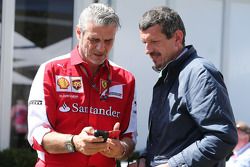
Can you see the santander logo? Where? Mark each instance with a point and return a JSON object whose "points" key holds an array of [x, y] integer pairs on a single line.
{"points": [[64, 108], [76, 108]]}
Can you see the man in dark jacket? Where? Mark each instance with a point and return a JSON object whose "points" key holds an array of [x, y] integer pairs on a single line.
{"points": [[191, 123]]}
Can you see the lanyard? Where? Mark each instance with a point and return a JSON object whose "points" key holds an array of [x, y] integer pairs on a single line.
{"points": [[94, 86]]}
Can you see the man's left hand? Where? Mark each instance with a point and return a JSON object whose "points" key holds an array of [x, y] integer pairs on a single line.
{"points": [[115, 148]]}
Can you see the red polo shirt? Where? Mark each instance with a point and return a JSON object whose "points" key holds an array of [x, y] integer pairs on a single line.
{"points": [[63, 99]]}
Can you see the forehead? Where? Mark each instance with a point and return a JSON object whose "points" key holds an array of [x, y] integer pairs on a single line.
{"points": [[102, 31], [152, 33]]}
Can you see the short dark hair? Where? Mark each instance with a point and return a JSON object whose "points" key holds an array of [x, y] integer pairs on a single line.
{"points": [[167, 18]]}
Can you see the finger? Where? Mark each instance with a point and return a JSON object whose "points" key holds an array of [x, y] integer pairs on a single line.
{"points": [[96, 147], [107, 152], [93, 139], [112, 143], [116, 126], [89, 130], [92, 148], [86, 137]]}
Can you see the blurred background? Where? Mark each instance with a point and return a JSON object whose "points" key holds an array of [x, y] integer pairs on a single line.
{"points": [[34, 31]]}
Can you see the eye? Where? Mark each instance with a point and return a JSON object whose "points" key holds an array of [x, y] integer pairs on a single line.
{"points": [[108, 41], [154, 41], [94, 40], [150, 42]]}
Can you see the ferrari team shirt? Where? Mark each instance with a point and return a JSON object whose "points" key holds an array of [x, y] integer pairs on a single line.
{"points": [[64, 98]]}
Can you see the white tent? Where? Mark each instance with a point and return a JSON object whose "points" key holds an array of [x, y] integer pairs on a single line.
{"points": [[28, 54]]}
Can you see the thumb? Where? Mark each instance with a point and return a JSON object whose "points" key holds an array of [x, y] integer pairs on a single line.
{"points": [[89, 130], [116, 126]]}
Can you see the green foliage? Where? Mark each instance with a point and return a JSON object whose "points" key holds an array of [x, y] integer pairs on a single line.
{"points": [[15, 157]]}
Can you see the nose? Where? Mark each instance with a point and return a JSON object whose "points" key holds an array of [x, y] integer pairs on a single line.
{"points": [[100, 46], [148, 48]]}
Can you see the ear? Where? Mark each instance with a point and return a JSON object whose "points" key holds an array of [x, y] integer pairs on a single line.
{"points": [[78, 32], [179, 38]]}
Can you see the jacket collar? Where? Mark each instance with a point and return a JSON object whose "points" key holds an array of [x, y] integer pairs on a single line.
{"points": [[175, 64]]}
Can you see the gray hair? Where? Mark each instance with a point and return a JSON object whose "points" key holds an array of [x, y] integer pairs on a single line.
{"points": [[167, 18], [99, 14]]}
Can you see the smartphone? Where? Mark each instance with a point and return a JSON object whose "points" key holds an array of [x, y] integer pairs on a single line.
{"points": [[107, 134]]}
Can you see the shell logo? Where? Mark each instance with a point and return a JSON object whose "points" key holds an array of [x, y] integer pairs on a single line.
{"points": [[63, 83]]}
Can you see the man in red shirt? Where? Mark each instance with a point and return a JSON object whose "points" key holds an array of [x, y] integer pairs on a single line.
{"points": [[80, 92]]}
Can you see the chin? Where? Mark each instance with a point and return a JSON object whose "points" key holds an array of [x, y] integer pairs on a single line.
{"points": [[98, 62]]}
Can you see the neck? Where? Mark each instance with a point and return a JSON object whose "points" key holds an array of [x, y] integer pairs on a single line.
{"points": [[240, 145], [93, 68]]}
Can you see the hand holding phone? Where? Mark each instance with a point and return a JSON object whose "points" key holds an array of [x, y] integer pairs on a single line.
{"points": [[107, 134]]}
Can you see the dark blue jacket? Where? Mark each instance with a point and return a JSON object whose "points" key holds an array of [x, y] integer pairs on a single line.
{"points": [[191, 122]]}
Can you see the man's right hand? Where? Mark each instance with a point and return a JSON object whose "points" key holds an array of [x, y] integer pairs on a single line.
{"points": [[86, 143]]}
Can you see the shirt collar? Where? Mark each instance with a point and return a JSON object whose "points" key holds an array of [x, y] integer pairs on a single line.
{"points": [[243, 149], [76, 59], [182, 53]]}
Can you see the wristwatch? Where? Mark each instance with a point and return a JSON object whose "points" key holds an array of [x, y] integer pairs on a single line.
{"points": [[69, 144]]}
